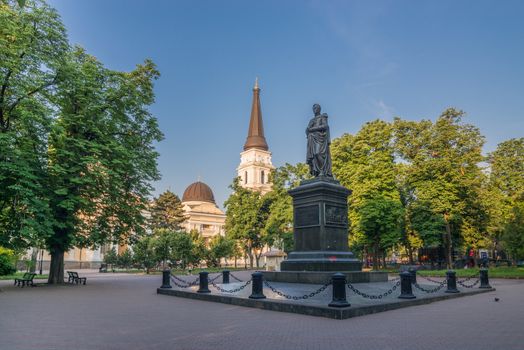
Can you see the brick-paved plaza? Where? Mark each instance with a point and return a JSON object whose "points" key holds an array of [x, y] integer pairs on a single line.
{"points": [[124, 312]]}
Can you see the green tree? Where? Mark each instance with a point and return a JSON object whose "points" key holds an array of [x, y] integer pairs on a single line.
{"points": [[505, 190], [246, 215], [125, 259], [184, 249], [513, 236], [379, 222], [101, 157], [111, 257], [32, 46], [7, 261], [219, 247], [278, 230], [365, 163], [443, 174], [144, 253], [78, 138], [167, 212], [163, 245]]}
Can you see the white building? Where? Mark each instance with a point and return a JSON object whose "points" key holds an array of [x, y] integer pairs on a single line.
{"points": [[255, 161]]}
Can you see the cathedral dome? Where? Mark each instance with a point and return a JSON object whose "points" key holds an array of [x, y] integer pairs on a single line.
{"points": [[198, 192]]}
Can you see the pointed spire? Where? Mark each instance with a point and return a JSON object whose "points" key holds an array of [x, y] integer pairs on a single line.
{"points": [[255, 135]]}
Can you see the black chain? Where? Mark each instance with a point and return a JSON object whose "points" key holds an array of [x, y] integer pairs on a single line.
{"points": [[184, 284], [214, 278], [434, 290], [234, 277], [467, 278], [378, 296], [295, 297], [468, 286], [236, 290], [431, 280]]}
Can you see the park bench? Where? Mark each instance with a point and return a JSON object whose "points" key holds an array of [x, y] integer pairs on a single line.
{"points": [[74, 278], [26, 280]]}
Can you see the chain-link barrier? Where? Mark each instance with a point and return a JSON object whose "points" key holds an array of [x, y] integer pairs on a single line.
{"points": [[297, 297], [433, 290], [235, 277], [468, 278], [430, 279], [470, 285], [377, 296], [215, 278], [177, 281], [236, 290]]}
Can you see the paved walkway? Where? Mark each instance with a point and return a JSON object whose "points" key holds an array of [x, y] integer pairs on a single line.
{"points": [[124, 312]]}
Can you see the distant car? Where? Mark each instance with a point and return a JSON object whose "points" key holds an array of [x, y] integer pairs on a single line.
{"points": [[520, 263]]}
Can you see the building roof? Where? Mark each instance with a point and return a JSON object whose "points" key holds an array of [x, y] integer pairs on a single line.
{"points": [[255, 135], [198, 191]]}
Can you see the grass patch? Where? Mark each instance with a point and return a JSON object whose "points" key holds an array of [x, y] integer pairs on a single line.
{"points": [[20, 274], [493, 272]]}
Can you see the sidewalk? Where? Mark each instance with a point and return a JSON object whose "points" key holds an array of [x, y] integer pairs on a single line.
{"points": [[125, 312]]}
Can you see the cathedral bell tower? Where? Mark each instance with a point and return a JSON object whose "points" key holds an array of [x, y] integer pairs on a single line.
{"points": [[255, 161]]}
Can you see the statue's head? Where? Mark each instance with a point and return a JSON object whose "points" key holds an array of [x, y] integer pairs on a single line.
{"points": [[316, 109]]}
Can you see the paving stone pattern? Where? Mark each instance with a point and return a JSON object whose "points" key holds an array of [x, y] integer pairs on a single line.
{"points": [[119, 311]]}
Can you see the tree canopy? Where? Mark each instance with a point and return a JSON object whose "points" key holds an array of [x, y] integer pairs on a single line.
{"points": [[167, 212], [78, 139]]}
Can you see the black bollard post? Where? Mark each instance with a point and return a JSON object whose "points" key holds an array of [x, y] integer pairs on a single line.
{"points": [[166, 279], [225, 276], [484, 281], [257, 291], [405, 286], [338, 281], [451, 279], [203, 282], [413, 272]]}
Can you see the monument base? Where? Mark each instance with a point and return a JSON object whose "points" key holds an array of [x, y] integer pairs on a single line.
{"points": [[321, 277], [321, 261]]}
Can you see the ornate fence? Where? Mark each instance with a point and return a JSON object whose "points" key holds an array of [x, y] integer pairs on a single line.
{"points": [[406, 281]]}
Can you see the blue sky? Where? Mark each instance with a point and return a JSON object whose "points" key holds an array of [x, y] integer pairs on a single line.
{"points": [[360, 60]]}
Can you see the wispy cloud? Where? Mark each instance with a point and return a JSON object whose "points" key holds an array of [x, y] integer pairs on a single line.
{"points": [[383, 110]]}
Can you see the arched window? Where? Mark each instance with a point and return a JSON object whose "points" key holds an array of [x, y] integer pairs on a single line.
{"points": [[245, 177], [262, 176]]}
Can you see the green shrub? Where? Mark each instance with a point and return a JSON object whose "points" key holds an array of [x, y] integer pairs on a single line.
{"points": [[7, 261], [111, 257], [125, 259]]}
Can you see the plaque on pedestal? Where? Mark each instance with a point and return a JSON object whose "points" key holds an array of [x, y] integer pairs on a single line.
{"points": [[320, 228]]}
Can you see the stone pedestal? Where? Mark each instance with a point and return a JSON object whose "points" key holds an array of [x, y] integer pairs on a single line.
{"points": [[320, 225]]}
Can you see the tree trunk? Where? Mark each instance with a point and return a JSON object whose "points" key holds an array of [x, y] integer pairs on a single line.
{"points": [[449, 250], [32, 265], [410, 254], [250, 254], [376, 252], [384, 259], [56, 269]]}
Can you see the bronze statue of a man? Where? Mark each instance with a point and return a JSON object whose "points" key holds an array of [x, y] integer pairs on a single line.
{"points": [[318, 156]]}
